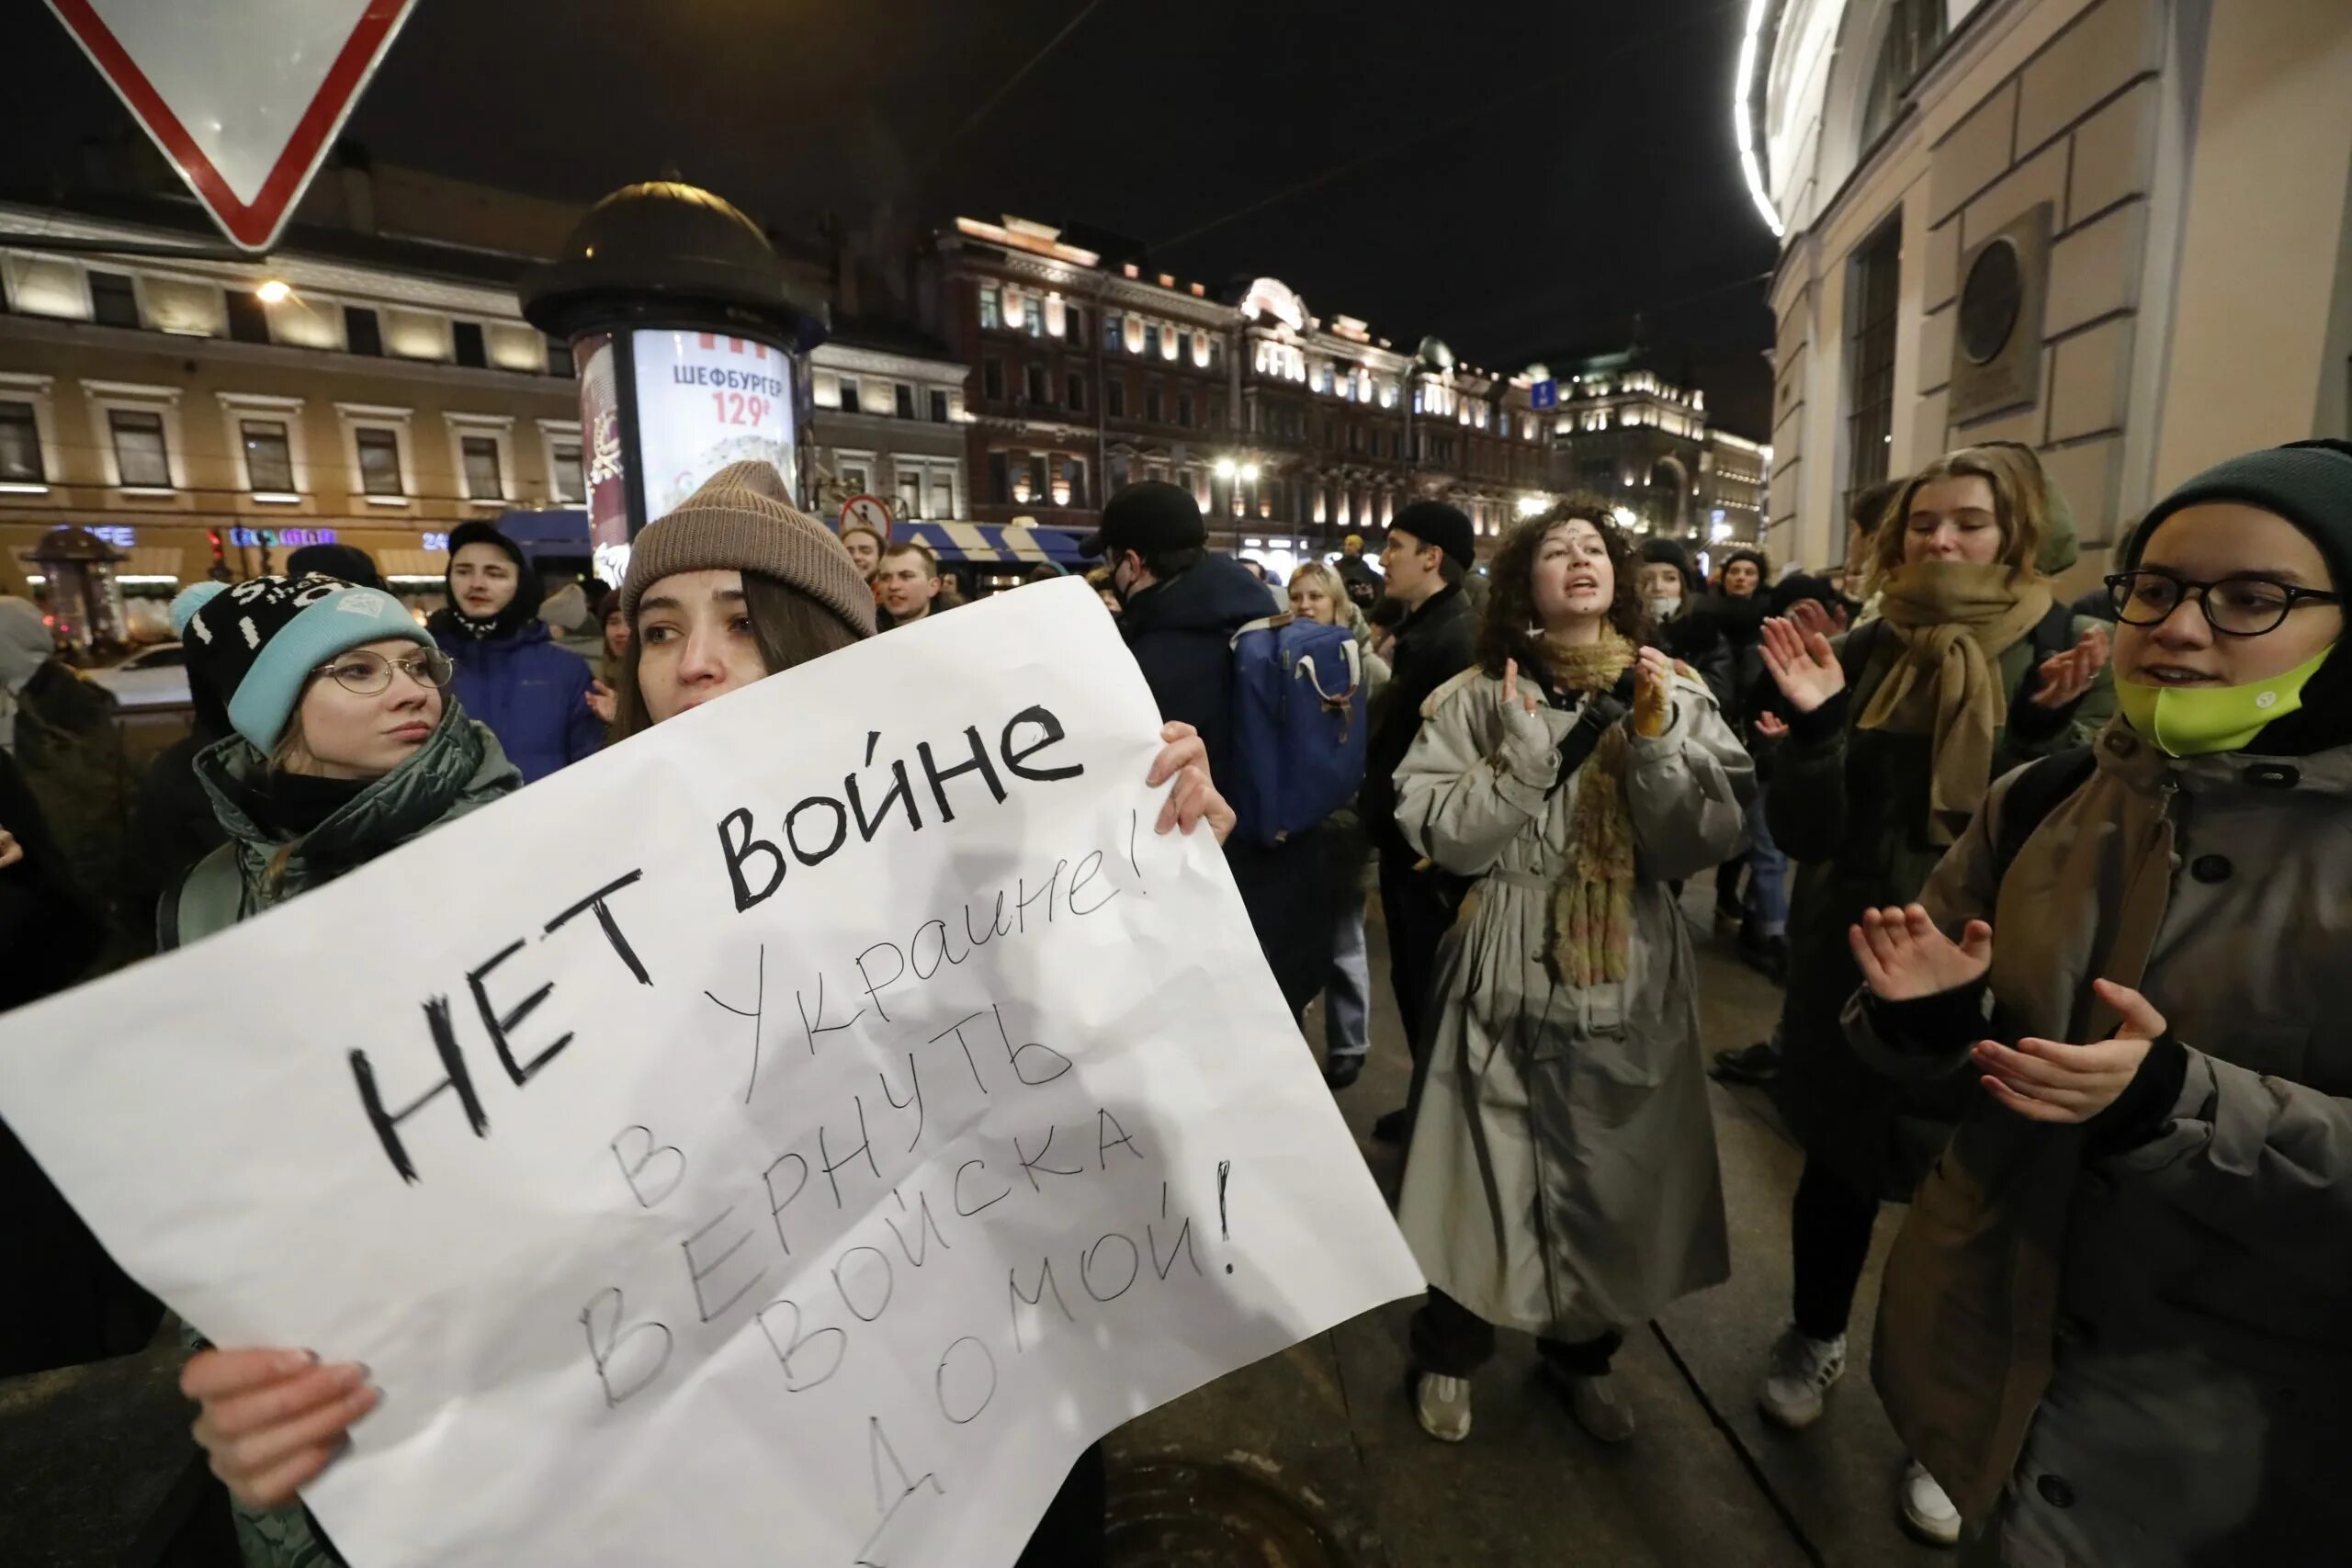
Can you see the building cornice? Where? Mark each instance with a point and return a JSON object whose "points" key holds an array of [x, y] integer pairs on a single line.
{"points": [[833, 356], [87, 335], [307, 274]]}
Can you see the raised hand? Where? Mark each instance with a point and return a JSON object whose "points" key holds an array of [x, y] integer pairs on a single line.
{"points": [[1903, 957], [1802, 664], [1653, 691], [2047, 1080], [602, 702], [1768, 725], [2066, 676], [1815, 619], [273, 1419]]}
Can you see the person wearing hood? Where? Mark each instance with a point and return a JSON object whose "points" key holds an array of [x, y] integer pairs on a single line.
{"points": [[734, 586], [2114, 1322], [344, 745], [1736, 609], [1973, 669], [1670, 595], [1364, 583], [1180, 608], [534, 695]]}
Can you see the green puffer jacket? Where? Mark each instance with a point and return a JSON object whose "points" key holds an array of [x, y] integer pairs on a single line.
{"points": [[1851, 808], [459, 768]]}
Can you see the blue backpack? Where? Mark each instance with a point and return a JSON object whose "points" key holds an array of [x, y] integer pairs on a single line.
{"points": [[1298, 726]]}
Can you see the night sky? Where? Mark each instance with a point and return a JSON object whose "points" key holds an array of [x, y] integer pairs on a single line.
{"points": [[1517, 178]]}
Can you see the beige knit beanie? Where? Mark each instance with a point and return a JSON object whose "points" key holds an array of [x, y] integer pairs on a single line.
{"points": [[741, 518]]}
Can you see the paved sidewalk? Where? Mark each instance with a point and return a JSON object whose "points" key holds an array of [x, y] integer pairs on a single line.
{"points": [[1312, 1458]]}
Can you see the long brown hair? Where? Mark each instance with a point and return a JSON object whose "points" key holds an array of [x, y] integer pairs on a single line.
{"points": [[2020, 506], [1510, 630], [789, 627]]}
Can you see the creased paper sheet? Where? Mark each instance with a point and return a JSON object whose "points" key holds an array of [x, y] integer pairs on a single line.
{"points": [[794, 1134]]}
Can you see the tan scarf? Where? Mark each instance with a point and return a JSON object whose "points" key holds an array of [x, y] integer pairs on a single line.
{"points": [[1592, 904], [1954, 620]]}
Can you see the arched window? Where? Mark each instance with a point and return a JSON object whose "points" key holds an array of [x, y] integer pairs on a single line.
{"points": [[1915, 30]]}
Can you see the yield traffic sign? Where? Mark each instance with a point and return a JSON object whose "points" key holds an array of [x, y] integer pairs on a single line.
{"points": [[243, 97]]}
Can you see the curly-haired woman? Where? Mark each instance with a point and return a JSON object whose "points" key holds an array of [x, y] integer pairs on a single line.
{"points": [[1562, 1178]]}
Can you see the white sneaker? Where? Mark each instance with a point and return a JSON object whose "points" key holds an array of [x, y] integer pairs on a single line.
{"points": [[1927, 1514], [1799, 1373], [1442, 1406]]}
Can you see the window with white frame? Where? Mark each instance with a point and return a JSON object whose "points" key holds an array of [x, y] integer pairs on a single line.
{"points": [[270, 455], [566, 479], [378, 449], [482, 452], [137, 429], [856, 472], [265, 433], [28, 433], [20, 460]]}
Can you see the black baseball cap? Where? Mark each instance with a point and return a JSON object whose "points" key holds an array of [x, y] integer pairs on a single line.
{"points": [[1149, 518]]}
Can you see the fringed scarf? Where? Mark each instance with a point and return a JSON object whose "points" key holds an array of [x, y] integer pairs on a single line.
{"points": [[1592, 904]]}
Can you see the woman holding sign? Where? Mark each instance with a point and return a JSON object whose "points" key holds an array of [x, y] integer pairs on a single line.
{"points": [[734, 586], [1563, 1177]]}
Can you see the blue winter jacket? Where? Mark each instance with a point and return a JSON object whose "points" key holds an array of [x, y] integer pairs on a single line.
{"points": [[533, 695]]}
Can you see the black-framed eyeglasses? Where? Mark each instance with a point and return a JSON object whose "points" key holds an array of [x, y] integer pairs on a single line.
{"points": [[2235, 606], [366, 674]]}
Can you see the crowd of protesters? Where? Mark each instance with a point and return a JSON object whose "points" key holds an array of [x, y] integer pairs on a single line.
{"points": [[2053, 886]]}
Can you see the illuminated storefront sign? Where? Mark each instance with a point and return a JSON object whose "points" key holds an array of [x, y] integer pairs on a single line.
{"points": [[288, 538]]}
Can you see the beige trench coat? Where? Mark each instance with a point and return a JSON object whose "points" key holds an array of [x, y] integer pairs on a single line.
{"points": [[1563, 1177], [2144, 1360]]}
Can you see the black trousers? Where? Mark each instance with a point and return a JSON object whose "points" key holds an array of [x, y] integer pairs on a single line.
{"points": [[1287, 890], [1830, 1240], [1418, 908], [1450, 1340]]}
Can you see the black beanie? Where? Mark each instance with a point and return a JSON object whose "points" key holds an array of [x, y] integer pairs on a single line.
{"points": [[2309, 484], [521, 610], [1446, 528], [1669, 552], [347, 563], [1150, 517]]}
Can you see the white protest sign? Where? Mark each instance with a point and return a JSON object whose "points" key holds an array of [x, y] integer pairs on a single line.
{"points": [[797, 1130]]}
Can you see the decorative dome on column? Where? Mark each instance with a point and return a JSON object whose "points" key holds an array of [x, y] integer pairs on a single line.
{"points": [[665, 252]]}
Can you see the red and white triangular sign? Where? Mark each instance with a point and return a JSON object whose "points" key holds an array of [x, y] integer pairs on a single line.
{"points": [[243, 97]]}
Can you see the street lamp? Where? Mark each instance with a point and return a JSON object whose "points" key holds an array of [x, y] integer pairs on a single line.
{"points": [[1529, 505], [1249, 473], [273, 291], [1225, 468]]}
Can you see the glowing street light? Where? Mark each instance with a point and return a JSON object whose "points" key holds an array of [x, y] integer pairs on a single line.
{"points": [[1225, 468], [273, 291], [1529, 505], [1249, 473]]}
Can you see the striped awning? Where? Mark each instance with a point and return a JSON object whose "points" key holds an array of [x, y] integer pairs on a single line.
{"points": [[1005, 543]]}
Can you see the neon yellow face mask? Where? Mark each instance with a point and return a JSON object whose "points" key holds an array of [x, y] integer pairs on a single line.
{"points": [[2195, 721]]}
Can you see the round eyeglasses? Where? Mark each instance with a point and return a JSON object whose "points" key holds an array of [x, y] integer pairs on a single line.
{"points": [[2235, 606], [365, 674]]}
